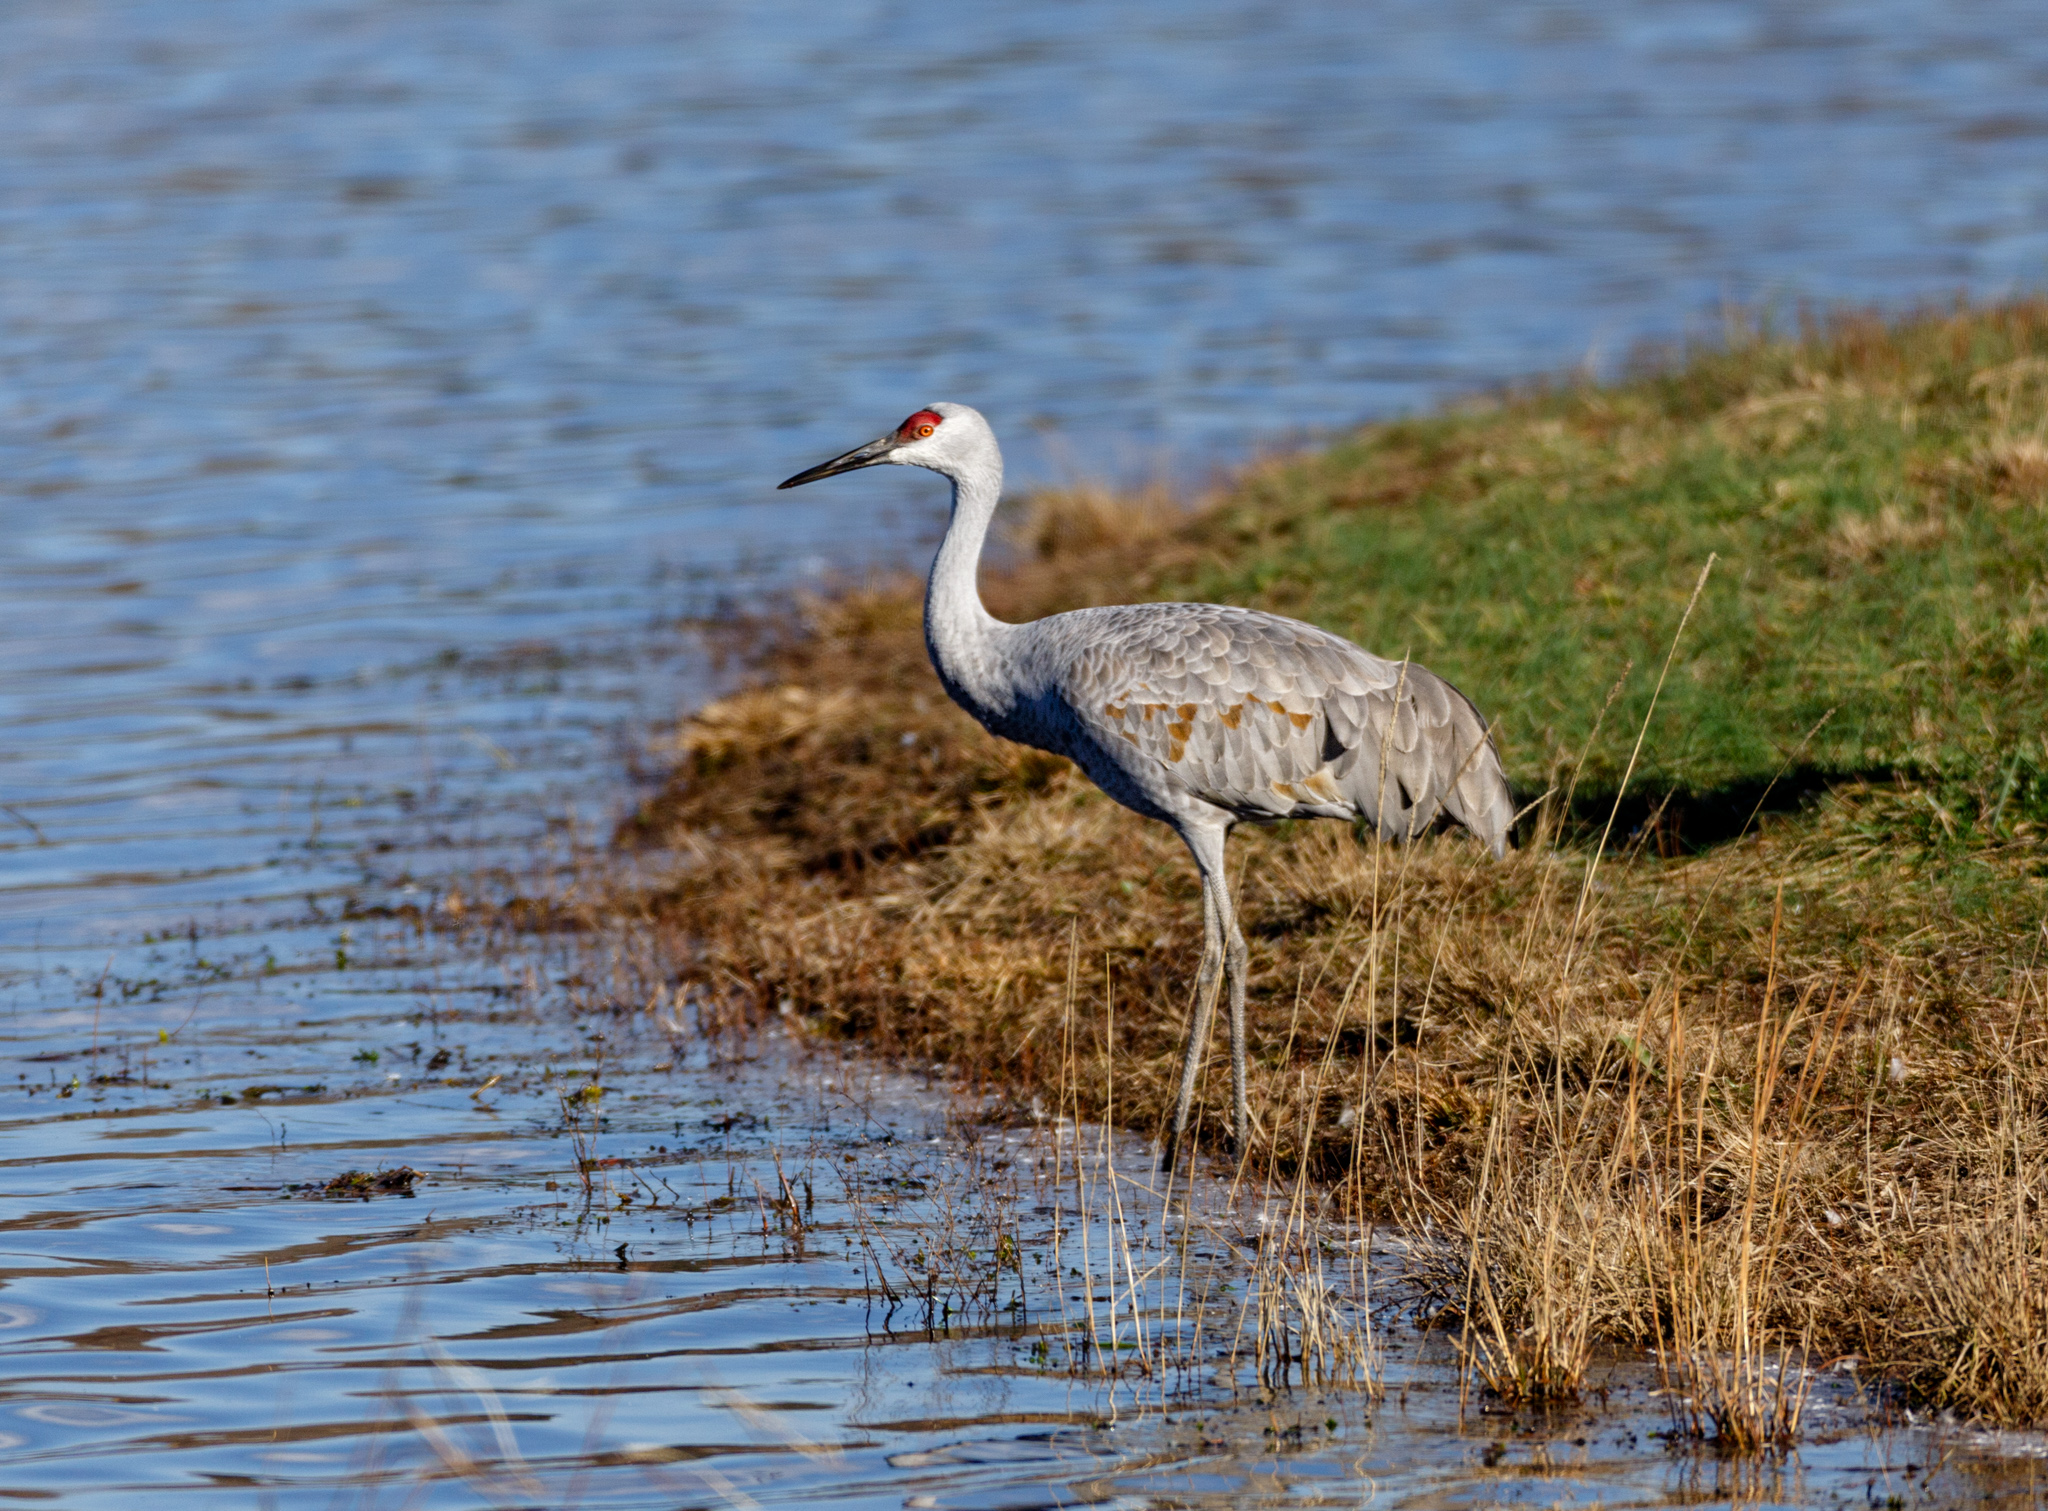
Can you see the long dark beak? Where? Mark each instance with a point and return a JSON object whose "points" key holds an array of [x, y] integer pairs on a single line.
{"points": [[875, 451]]}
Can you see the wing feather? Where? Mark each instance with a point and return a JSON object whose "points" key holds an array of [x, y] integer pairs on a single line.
{"points": [[1267, 717]]}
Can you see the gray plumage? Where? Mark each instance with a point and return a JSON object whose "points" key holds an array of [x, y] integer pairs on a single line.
{"points": [[1268, 718], [1199, 715]]}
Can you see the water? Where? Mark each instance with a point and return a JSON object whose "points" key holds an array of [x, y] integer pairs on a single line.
{"points": [[384, 386], [337, 340], [786, 1286]]}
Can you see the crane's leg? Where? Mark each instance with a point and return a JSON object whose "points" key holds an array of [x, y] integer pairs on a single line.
{"points": [[1206, 982], [1235, 958], [1223, 955]]}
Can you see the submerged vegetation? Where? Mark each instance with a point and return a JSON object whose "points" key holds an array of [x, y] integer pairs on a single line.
{"points": [[1754, 1077]]}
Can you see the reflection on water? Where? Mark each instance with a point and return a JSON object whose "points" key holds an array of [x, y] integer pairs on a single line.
{"points": [[381, 383]]}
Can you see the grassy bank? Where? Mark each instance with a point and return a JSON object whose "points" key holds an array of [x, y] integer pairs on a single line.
{"points": [[1741, 1079]]}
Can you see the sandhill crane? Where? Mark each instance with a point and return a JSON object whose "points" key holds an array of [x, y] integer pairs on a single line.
{"points": [[1195, 714]]}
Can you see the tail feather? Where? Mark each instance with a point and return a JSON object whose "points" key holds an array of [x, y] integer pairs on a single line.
{"points": [[1479, 795], [1440, 761]]}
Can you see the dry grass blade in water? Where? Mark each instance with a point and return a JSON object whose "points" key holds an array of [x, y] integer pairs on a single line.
{"points": [[1528, 1312], [1732, 1375]]}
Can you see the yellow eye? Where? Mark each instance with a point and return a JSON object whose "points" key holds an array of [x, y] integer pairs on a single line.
{"points": [[924, 430]]}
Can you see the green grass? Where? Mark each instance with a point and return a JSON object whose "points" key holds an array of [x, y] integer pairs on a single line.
{"points": [[1877, 496]]}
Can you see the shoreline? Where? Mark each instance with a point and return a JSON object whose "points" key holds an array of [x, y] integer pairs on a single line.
{"points": [[1727, 1089]]}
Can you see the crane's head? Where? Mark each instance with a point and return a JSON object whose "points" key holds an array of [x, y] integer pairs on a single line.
{"points": [[943, 437]]}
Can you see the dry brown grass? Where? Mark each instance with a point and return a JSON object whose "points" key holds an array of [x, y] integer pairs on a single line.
{"points": [[1784, 1095], [1780, 1101], [1087, 518]]}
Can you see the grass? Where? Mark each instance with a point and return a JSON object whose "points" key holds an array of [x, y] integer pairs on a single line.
{"points": [[1740, 1057], [1875, 489]]}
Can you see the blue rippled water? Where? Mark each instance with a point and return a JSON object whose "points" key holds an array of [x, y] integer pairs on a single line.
{"points": [[382, 387]]}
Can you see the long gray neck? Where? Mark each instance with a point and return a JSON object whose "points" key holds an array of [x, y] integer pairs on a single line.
{"points": [[959, 632]]}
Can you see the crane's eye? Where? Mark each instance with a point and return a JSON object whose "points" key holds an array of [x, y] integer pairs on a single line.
{"points": [[919, 425]]}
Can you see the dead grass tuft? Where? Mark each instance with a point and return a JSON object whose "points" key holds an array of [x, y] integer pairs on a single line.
{"points": [[2018, 469], [1860, 539], [1967, 1324], [1088, 519]]}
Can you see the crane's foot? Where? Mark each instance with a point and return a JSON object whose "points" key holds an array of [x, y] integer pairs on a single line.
{"points": [[1239, 1141], [1241, 1136], [1170, 1157]]}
